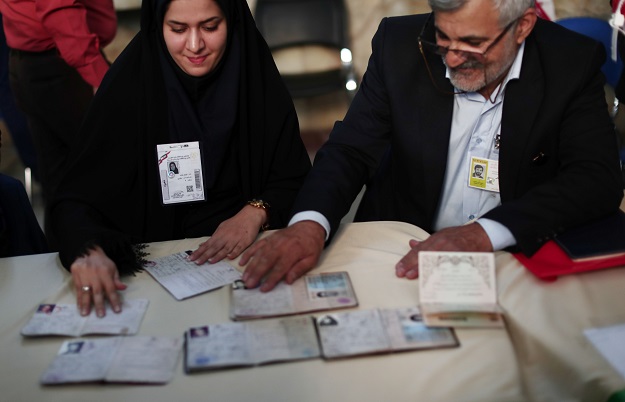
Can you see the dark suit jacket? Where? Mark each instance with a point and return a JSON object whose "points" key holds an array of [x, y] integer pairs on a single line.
{"points": [[558, 161]]}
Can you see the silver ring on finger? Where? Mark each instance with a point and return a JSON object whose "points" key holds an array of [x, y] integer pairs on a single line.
{"points": [[86, 289]]}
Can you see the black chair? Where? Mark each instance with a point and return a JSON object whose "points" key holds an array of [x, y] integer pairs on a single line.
{"points": [[20, 233], [289, 24]]}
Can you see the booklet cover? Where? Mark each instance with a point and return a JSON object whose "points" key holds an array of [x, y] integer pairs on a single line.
{"points": [[250, 343], [604, 238], [183, 278], [362, 332], [136, 359], [65, 319], [458, 289], [314, 292], [551, 261]]}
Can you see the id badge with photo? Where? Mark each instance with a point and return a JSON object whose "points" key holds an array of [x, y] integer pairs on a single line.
{"points": [[180, 172], [484, 174]]}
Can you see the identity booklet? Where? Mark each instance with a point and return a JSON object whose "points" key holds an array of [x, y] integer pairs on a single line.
{"points": [[131, 359], [314, 292], [363, 332], [250, 343], [458, 289], [65, 319]]}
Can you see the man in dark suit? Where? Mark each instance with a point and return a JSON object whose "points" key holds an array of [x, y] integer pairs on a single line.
{"points": [[473, 82]]}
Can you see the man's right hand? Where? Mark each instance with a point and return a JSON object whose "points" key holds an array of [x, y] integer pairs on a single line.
{"points": [[287, 253], [95, 279]]}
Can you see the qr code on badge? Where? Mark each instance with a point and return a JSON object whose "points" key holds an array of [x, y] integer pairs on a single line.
{"points": [[189, 189]]}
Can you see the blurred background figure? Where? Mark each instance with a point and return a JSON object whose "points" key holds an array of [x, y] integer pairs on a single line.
{"points": [[13, 117], [55, 66], [20, 233]]}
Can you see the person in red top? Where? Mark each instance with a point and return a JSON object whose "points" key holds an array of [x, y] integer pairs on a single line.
{"points": [[55, 65]]}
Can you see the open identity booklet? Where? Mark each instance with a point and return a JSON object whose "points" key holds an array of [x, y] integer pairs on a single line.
{"points": [[333, 335], [120, 359], [313, 292], [65, 320], [458, 289]]}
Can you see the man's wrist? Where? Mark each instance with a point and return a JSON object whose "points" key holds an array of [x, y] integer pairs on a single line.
{"points": [[313, 216], [500, 236]]}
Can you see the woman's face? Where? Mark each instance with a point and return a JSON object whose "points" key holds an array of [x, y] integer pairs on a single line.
{"points": [[195, 33]]}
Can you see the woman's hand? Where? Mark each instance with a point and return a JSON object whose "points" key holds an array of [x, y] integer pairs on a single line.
{"points": [[95, 279], [232, 236]]}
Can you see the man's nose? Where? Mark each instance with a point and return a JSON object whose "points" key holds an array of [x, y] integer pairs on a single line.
{"points": [[454, 58]]}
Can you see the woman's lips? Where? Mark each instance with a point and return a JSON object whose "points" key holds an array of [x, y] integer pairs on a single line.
{"points": [[197, 60]]}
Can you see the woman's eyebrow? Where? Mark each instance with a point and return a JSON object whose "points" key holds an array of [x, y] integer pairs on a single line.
{"points": [[211, 19]]}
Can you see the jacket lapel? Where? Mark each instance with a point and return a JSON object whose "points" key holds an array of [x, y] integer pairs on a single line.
{"points": [[522, 102], [436, 109]]}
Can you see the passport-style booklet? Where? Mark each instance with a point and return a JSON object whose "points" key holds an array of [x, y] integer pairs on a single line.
{"points": [[600, 239], [598, 245]]}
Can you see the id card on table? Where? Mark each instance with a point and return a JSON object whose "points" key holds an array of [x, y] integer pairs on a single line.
{"points": [[180, 172]]}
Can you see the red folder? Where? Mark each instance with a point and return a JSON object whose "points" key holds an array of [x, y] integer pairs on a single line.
{"points": [[550, 261]]}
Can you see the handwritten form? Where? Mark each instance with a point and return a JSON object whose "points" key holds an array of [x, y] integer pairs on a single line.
{"points": [[183, 278]]}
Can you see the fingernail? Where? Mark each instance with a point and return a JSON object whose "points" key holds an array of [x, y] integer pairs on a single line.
{"points": [[412, 274], [84, 311], [100, 313], [117, 309], [400, 270]]}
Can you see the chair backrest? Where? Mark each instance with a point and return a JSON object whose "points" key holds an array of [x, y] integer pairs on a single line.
{"points": [[601, 31], [285, 23]]}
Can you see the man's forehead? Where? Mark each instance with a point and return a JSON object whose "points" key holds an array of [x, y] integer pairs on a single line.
{"points": [[475, 19], [466, 32]]}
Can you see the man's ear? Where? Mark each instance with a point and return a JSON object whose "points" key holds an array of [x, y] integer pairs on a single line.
{"points": [[525, 25]]}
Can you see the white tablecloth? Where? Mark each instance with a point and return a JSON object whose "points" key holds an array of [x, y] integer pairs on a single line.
{"points": [[541, 356]]}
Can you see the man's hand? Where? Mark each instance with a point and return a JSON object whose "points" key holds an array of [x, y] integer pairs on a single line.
{"points": [[459, 238], [288, 253], [95, 279], [231, 237]]}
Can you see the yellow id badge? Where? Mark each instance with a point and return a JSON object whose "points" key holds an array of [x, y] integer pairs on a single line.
{"points": [[484, 174]]}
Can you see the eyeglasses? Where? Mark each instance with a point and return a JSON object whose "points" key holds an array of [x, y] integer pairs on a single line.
{"points": [[464, 54]]}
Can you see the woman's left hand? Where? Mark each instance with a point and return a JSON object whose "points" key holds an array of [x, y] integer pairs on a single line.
{"points": [[231, 237]]}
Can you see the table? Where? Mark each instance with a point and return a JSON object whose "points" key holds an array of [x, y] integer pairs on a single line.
{"points": [[530, 360]]}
